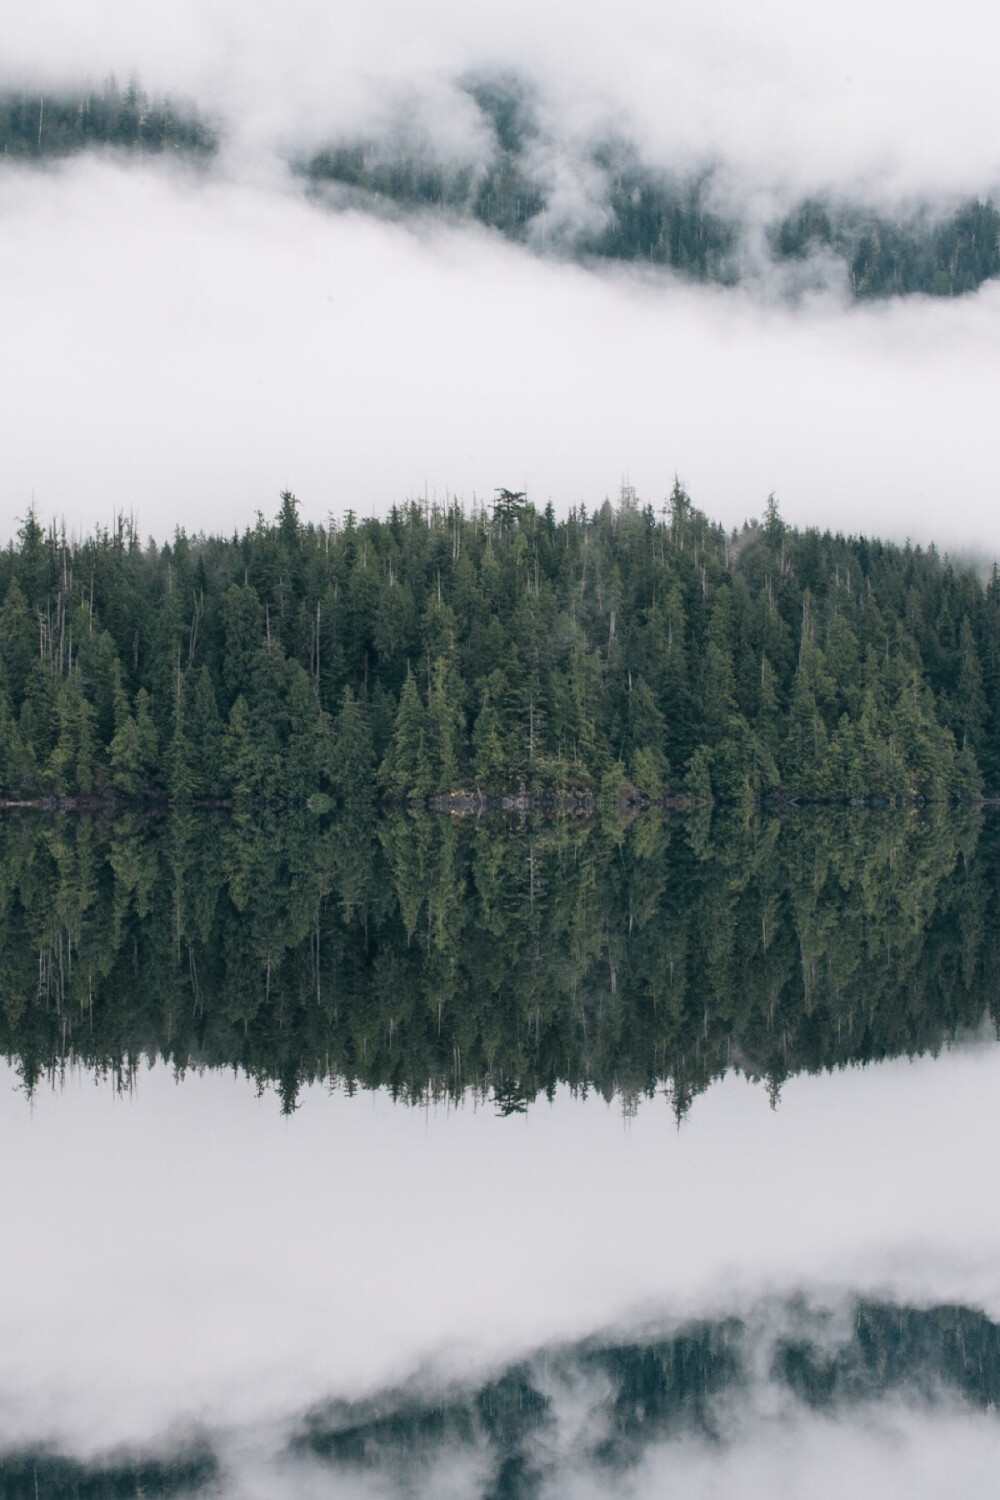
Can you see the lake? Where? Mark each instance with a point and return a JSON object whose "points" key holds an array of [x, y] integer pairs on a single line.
{"points": [[505, 1158]]}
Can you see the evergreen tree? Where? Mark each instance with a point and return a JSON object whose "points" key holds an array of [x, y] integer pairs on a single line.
{"points": [[354, 755], [134, 746], [18, 643], [406, 770]]}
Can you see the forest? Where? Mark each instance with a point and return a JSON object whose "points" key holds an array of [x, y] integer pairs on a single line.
{"points": [[676, 1384], [497, 957], [440, 653], [690, 223], [42, 125], [656, 1388], [658, 218]]}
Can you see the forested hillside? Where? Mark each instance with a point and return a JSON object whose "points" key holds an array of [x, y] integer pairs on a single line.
{"points": [[40, 124], [627, 208], [513, 176], [499, 651], [657, 218]]}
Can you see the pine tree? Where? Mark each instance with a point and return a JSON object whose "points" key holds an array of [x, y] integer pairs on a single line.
{"points": [[354, 755], [242, 768], [134, 746], [406, 770]]}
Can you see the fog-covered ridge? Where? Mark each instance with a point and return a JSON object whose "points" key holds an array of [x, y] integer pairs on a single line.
{"points": [[206, 339], [567, 1414], [26, 1473], [38, 126], [596, 197], [598, 1407]]}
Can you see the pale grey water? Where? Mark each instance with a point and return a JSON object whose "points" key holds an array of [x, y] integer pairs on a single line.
{"points": [[184, 1259]]}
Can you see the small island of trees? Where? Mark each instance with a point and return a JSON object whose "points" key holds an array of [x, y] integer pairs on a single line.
{"points": [[500, 653]]}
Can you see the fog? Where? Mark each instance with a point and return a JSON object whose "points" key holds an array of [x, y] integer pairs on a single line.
{"points": [[848, 92], [889, 1450], [183, 345], [186, 347], [187, 1256]]}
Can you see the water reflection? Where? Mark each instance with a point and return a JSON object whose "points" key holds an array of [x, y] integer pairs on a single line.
{"points": [[585, 1418], [517, 1292], [435, 957], [186, 1260], [600, 1407]]}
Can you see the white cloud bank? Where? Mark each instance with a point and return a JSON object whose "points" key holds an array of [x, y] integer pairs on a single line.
{"points": [[191, 1255], [820, 91], [186, 347]]}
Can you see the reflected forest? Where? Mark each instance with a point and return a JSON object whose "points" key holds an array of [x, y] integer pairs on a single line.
{"points": [[608, 1402], [496, 958]]}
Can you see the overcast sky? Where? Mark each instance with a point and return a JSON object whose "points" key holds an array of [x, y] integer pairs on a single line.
{"points": [[184, 346]]}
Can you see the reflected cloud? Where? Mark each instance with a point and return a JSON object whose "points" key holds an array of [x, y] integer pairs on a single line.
{"points": [[615, 1415], [236, 1269]]}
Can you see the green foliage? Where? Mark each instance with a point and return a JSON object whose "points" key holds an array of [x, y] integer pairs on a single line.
{"points": [[433, 956], [354, 755], [133, 748], [656, 217], [407, 769], [941, 257], [441, 651], [43, 124]]}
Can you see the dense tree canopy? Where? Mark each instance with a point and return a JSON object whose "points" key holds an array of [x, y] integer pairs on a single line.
{"points": [[622, 653], [42, 124]]}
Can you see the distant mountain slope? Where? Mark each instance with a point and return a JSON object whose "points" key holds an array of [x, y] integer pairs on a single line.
{"points": [[625, 208], [40, 126], [594, 199]]}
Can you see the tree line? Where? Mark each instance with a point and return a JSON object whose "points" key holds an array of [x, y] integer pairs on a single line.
{"points": [[675, 1384], [690, 1382], [43, 124], [619, 654]]}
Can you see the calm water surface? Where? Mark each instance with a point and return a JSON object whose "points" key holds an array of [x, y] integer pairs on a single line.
{"points": [[510, 1161]]}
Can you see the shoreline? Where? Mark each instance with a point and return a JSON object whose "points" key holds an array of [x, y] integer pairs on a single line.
{"points": [[476, 804]]}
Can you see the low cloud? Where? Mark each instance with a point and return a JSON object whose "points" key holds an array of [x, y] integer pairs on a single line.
{"points": [[184, 346], [826, 96], [189, 345]]}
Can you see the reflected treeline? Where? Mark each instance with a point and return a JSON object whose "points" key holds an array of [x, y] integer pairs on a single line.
{"points": [[42, 126], [589, 1411], [29, 1474], [435, 956], [596, 1408]]}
